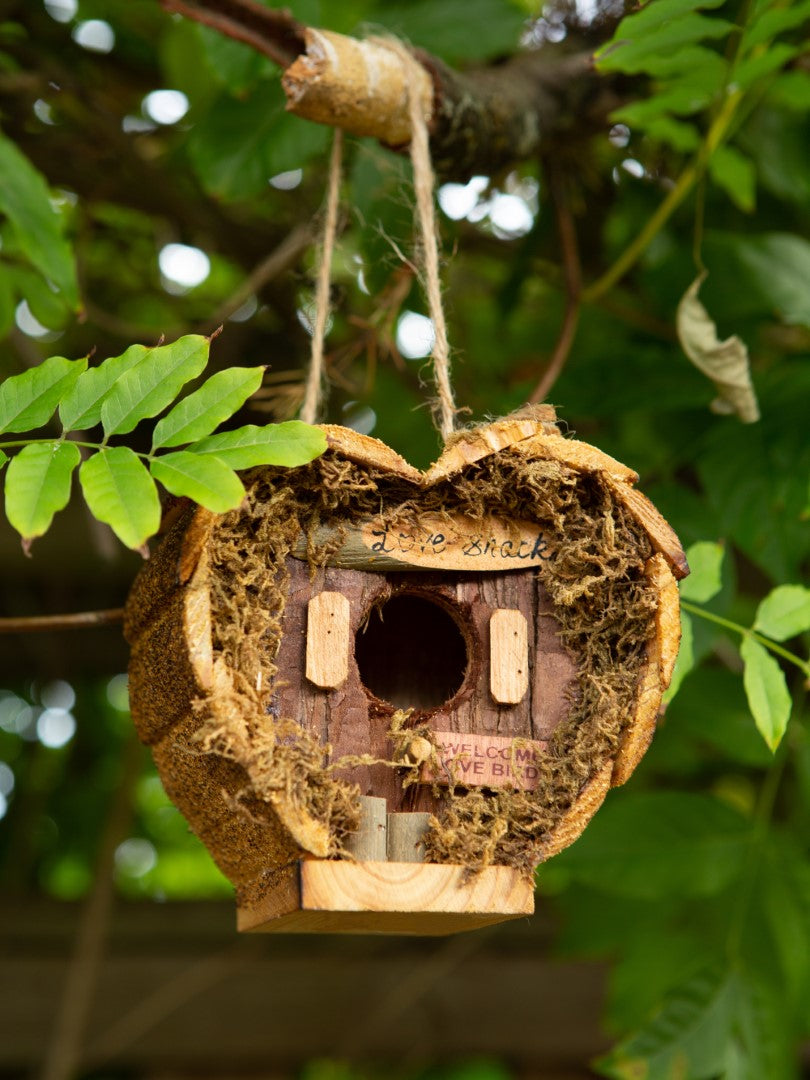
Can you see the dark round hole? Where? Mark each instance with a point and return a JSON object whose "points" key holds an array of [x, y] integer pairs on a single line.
{"points": [[411, 653]]}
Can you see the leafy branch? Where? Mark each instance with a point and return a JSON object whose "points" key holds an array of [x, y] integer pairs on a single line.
{"points": [[782, 615], [671, 42], [118, 482]]}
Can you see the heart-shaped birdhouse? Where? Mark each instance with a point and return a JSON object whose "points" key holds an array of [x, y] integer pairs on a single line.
{"points": [[381, 697]]}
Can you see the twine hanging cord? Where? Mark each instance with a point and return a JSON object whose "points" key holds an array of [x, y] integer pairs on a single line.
{"points": [[424, 184], [313, 394]]}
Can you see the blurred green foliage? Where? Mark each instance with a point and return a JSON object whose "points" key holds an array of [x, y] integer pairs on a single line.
{"points": [[695, 879]]}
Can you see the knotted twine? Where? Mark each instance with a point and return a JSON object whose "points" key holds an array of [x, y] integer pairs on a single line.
{"points": [[423, 183]]}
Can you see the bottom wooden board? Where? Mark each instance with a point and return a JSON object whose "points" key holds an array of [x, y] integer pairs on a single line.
{"points": [[336, 897]]}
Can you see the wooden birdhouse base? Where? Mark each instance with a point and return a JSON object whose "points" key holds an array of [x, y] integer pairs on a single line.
{"points": [[320, 896]]}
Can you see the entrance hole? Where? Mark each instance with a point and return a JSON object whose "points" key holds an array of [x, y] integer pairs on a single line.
{"points": [[411, 653]]}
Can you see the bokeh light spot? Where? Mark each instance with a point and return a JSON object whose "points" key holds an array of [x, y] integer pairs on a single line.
{"points": [[166, 106], [184, 265], [95, 35], [415, 335]]}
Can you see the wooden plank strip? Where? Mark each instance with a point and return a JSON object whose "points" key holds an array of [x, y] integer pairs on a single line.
{"points": [[366, 450], [369, 843], [406, 836], [391, 898], [661, 534], [572, 824], [435, 542], [486, 761], [467, 447], [508, 656], [328, 639], [575, 454]]}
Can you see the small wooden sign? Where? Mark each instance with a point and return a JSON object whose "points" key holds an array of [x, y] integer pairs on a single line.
{"points": [[435, 542], [486, 761]]}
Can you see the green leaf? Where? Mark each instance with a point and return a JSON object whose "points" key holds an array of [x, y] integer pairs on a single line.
{"points": [[291, 443], [3, 459], [29, 400], [8, 299], [25, 199], [705, 566], [707, 66], [659, 844], [657, 15], [217, 399], [233, 64], [758, 67], [205, 479], [46, 304], [688, 1038], [784, 613], [766, 690], [241, 143], [683, 137], [121, 493], [736, 175], [762, 1042], [681, 100], [38, 485], [81, 407], [153, 383], [685, 660], [772, 21], [633, 51], [724, 362]]}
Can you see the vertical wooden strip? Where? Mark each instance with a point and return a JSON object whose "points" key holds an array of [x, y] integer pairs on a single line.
{"points": [[368, 844], [508, 656], [328, 621], [406, 837]]}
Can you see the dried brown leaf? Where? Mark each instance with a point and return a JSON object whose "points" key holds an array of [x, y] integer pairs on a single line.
{"points": [[726, 362]]}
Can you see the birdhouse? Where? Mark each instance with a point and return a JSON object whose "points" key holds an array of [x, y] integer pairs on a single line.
{"points": [[382, 696]]}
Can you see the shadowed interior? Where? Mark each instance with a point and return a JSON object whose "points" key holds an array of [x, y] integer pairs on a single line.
{"points": [[411, 653]]}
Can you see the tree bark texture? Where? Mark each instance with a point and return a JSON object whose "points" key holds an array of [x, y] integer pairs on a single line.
{"points": [[481, 121]]}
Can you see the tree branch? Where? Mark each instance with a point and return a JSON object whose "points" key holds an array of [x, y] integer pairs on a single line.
{"points": [[80, 620], [275, 33], [481, 121], [573, 282]]}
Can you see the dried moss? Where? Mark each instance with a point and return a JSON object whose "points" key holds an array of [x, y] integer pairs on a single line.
{"points": [[602, 601]]}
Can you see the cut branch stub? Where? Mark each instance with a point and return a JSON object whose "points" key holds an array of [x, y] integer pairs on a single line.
{"points": [[359, 86]]}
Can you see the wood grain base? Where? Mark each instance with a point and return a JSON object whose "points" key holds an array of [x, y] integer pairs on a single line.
{"points": [[330, 897]]}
